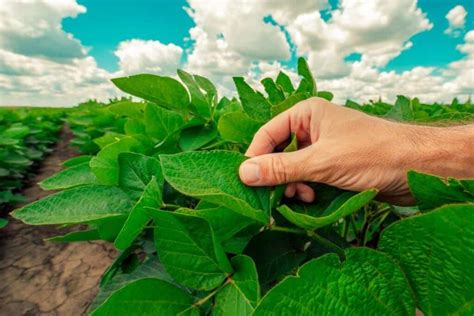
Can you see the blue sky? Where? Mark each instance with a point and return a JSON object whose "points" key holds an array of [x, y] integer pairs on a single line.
{"points": [[109, 22], [62, 52]]}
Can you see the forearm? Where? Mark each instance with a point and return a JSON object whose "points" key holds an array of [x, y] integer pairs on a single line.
{"points": [[443, 151]]}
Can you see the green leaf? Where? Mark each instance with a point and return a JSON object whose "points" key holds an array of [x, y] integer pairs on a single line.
{"points": [[110, 227], [275, 94], [274, 254], [241, 294], [367, 282], [139, 217], [402, 110], [164, 91], [224, 222], [3, 222], [76, 161], [285, 82], [105, 165], [136, 171], [253, 102], [277, 193], [148, 297], [198, 99], [160, 123], [435, 250], [213, 176], [325, 95], [288, 103], [77, 175], [76, 205], [151, 268], [237, 127], [307, 84], [350, 204], [82, 235], [206, 85], [431, 191], [127, 108], [196, 137], [189, 250]]}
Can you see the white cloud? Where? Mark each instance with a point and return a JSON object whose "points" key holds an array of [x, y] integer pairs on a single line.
{"points": [[139, 56], [33, 28], [41, 64], [457, 19], [379, 30]]}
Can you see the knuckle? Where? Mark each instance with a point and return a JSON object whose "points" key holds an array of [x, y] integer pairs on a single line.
{"points": [[278, 170]]}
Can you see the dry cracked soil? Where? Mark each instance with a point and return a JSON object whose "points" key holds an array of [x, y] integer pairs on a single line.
{"points": [[38, 277]]}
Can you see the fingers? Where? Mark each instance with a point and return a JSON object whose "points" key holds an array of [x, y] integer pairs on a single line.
{"points": [[274, 169], [304, 192], [270, 135]]}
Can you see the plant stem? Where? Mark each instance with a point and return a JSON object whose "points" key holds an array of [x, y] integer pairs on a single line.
{"points": [[173, 206], [287, 230], [327, 243], [210, 295]]}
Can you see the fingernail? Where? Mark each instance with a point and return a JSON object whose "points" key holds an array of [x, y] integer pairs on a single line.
{"points": [[250, 172]]}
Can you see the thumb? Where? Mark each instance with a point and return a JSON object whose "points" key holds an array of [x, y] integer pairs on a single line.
{"points": [[274, 169]]}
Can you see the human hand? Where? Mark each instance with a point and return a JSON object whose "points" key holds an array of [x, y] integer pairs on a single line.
{"points": [[340, 147]]}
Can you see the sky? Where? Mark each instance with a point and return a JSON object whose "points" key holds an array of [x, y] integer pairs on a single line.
{"points": [[62, 52]]}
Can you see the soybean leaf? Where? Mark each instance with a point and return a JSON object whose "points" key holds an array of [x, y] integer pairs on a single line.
{"points": [[3, 222], [224, 222], [105, 165], [253, 102], [148, 297], [77, 175], [139, 216], [161, 123], [198, 99], [136, 171], [431, 191], [237, 127], [151, 268], [109, 227], [285, 82], [325, 95], [164, 91], [82, 235], [402, 110], [288, 103], [435, 250], [366, 281], [348, 204], [275, 94], [307, 83], [76, 205], [241, 294], [277, 193], [128, 108], [189, 250], [196, 137], [274, 255], [213, 176], [76, 161], [206, 85]]}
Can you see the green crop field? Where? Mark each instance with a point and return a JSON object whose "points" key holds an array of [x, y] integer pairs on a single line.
{"points": [[158, 179]]}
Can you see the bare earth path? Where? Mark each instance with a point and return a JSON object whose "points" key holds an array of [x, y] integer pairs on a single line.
{"points": [[38, 277]]}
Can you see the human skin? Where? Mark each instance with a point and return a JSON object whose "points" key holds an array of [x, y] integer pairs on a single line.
{"points": [[351, 150]]}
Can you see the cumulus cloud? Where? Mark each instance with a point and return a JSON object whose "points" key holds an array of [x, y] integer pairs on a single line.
{"points": [[378, 30], [138, 56], [33, 28], [457, 19], [42, 64]]}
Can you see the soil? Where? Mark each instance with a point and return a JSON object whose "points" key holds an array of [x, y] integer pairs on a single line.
{"points": [[38, 277]]}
